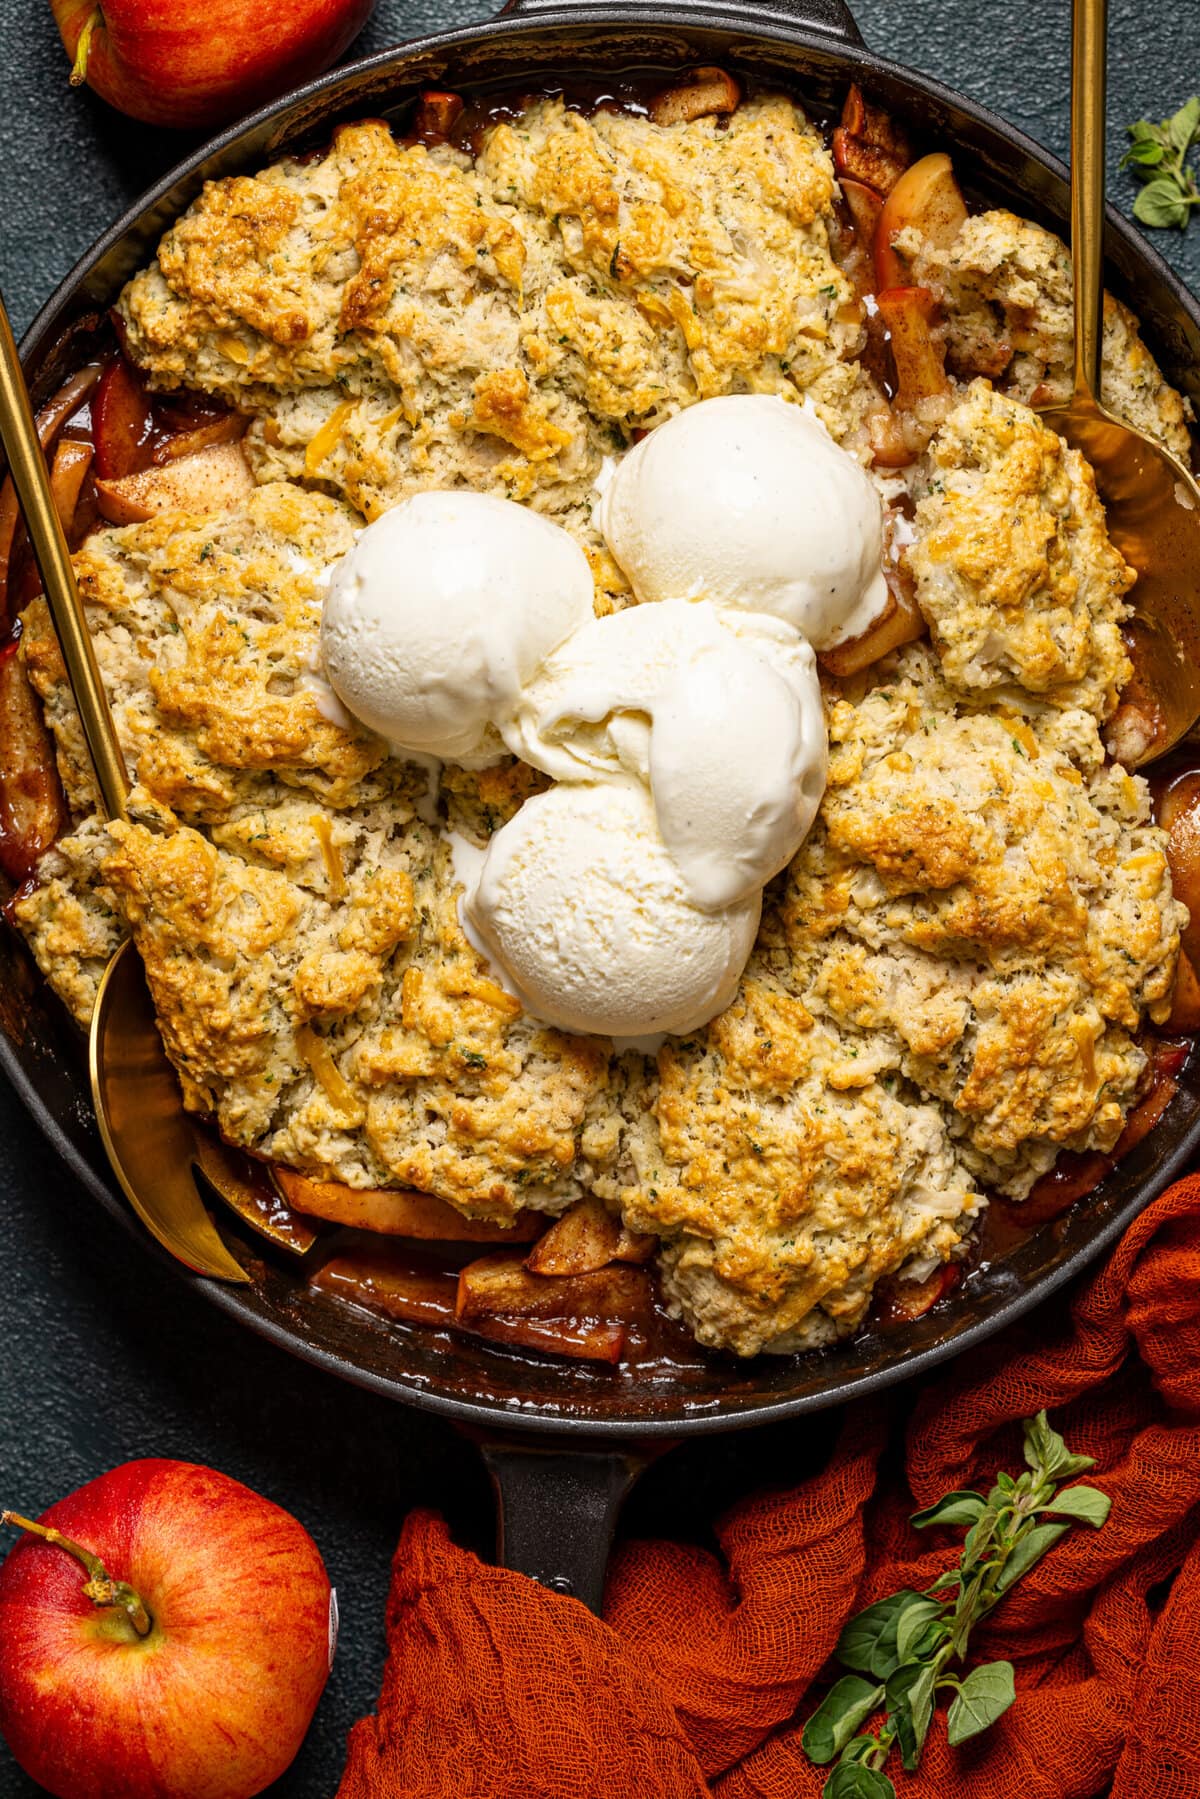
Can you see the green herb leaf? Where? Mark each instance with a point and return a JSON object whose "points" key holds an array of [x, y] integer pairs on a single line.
{"points": [[901, 1725], [907, 1644], [966, 1610], [1182, 128], [844, 1707], [886, 1658], [1158, 155], [1160, 204], [980, 1535], [851, 1780], [863, 1748], [1030, 1548], [858, 1647], [920, 1705], [984, 1695], [1047, 1454], [1146, 154], [1041, 1442], [960, 1507], [909, 1697], [912, 1624], [1087, 1504], [930, 1638]]}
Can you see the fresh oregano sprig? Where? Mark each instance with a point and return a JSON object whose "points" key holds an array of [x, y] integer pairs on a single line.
{"points": [[902, 1651], [1158, 156]]}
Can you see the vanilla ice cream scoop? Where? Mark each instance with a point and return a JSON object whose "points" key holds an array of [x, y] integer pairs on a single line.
{"points": [[720, 716], [747, 501], [442, 611], [585, 910]]}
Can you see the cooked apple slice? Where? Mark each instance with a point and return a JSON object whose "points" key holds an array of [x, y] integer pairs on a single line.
{"points": [[868, 145], [72, 460], [865, 208], [585, 1238], [855, 160], [212, 480], [1072, 1177], [376, 1279], [1178, 812], [32, 808], [226, 428], [502, 1284], [1185, 998], [398, 1212], [50, 420], [426, 1296], [246, 1187], [909, 314], [704, 93], [873, 124], [901, 1301], [928, 197], [899, 623], [853, 245], [67, 401], [902, 430], [435, 117], [121, 422], [1142, 1118]]}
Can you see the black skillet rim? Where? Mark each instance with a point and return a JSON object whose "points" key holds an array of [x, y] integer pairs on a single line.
{"points": [[480, 1412]]}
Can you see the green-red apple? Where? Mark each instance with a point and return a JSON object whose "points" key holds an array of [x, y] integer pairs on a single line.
{"points": [[199, 63], [183, 1660]]}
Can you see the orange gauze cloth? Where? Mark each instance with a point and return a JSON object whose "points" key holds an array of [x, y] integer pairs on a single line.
{"points": [[698, 1679]]}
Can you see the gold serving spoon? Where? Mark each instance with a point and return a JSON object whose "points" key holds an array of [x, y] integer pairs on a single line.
{"points": [[1152, 501], [148, 1136]]}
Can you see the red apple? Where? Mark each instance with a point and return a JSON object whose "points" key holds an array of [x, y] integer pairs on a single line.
{"points": [[201, 62], [184, 1661]]}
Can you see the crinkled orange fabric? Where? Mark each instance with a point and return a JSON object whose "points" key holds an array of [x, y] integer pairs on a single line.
{"points": [[699, 1677]]}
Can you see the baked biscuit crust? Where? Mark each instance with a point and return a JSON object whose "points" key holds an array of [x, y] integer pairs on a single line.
{"points": [[950, 978], [400, 318]]}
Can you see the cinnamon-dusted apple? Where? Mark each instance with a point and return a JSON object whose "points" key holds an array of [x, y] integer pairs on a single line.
{"points": [[209, 481], [926, 197]]}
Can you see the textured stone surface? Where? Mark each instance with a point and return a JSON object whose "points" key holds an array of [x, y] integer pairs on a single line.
{"points": [[106, 1356]]}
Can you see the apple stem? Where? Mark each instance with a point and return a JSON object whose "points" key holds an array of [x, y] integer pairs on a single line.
{"points": [[83, 48], [99, 1587]]}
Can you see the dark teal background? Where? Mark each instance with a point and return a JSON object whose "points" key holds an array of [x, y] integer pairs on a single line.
{"points": [[103, 1356]]}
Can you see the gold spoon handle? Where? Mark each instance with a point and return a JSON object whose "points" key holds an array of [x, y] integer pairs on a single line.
{"points": [[28, 468], [1089, 35]]}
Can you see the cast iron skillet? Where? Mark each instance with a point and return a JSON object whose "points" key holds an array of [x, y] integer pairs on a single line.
{"points": [[562, 1440]]}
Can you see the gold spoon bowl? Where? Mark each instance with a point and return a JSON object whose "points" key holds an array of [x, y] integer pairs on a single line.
{"points": [[148, 1137]]}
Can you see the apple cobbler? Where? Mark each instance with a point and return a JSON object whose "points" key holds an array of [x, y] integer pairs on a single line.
{"points": [[952, 978]]}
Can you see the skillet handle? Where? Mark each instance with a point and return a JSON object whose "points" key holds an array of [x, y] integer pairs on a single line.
{"points": [[557, 1509], [830, 18]]}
